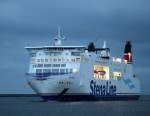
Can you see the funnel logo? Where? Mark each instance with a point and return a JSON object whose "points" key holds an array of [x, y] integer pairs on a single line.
{"points": [[128, 57]]}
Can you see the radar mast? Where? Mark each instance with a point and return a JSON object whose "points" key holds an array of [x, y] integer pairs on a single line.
{"points": [[58, 38]]}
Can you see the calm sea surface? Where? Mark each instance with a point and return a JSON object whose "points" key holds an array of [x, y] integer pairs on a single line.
{"points": [[33, 106]]}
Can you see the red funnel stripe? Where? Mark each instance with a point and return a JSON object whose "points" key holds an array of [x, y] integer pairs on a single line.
{"points": [[128, 57]]}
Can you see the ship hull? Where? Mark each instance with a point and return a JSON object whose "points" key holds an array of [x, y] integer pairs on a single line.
{"points": [[72, 87], [81, 73]]}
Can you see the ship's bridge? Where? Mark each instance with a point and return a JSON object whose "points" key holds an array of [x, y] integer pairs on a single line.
{"points": [[53, 51]]}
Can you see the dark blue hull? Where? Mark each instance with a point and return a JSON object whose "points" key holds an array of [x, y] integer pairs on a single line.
{"points": [[89, 97]]}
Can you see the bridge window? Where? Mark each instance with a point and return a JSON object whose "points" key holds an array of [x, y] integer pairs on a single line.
{"points": [[33, 54], [75, 53]]}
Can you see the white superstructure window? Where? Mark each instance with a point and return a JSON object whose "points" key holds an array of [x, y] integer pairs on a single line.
{"points": [[56, 65], [46, 60], [38, 70], [59, 59], [55, 70], [55, 59], [38, 60], [62, 70], [47, 65], [46, 70], [39, 65], [63, 65]]}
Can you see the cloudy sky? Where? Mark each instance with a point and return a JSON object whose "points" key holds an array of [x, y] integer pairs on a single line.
{"points": [[34, 22]]}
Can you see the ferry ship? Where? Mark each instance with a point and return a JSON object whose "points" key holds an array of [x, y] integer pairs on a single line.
{"points": [[81, 72]]}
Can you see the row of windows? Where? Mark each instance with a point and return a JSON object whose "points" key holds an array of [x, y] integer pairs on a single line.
{"points": [[48, 65], [56, 54], [54, 70], [57, 60]]}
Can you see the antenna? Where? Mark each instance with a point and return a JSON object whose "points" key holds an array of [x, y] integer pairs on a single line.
{"points": [[58, 38], [104, 44], [59, 35]]}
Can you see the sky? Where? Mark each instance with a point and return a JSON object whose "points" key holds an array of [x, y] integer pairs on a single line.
{"points": [[34, 22]]}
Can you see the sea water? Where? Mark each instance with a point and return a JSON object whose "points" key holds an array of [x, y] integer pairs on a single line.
{"points": [[34, 106]]}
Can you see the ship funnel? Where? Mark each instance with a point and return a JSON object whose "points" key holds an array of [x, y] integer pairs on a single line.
{"points": [[127, 53], [91, 47]]}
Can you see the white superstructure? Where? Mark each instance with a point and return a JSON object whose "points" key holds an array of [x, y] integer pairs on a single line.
{"points": [[80, 72]]}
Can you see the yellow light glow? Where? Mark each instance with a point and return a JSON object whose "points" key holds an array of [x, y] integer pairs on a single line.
{"points": [[101, 72], [117, 74], [75, 70]]}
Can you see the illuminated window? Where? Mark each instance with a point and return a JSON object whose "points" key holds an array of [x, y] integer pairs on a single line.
{"points": [[117, 75], [101, 72]]}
